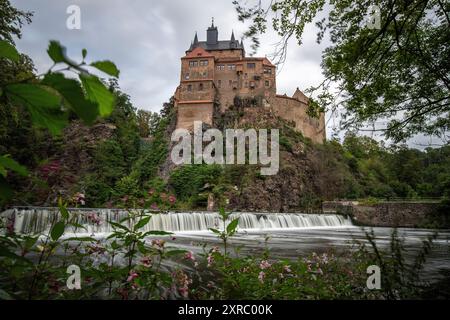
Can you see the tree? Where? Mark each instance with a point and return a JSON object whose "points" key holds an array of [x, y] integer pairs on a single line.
{"points": [[147, 122], [399, 71]]}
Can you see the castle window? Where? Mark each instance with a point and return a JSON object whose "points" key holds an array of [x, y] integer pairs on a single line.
{"points": [[267, 70], [200, 87], [204, 74], [231, 67], [267, 83], [251, 65], [203, 62], [220, 67], [252, 84], [193, 64], [189, 87], [186, 76]]}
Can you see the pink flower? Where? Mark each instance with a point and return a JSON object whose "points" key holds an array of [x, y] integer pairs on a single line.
{"points": [[151, 192], [264, 265], [189, 256], [261, 276], [146, 262], [158, 243], [172, 199], [133, 275], [93, 218], [79, 198], [210, 260], [10, 226], [154, 206]]}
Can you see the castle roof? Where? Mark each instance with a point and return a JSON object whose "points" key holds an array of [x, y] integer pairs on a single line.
{"points": [[212, 42]]}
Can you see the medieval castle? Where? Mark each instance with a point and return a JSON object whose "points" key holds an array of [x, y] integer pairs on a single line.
{"points": [[214, 70]]}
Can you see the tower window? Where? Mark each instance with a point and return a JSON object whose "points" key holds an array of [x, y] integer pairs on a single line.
{"points": [[267, 70], [231, 67], [186, 76], [200, 87], [189, 87], [251, 65], [203, 62], [267, 83], [220, 67], [193, 63]]}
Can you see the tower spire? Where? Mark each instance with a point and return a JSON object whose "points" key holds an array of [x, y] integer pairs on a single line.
{"points": [[232, 36], [195, 39], [212, 22]]}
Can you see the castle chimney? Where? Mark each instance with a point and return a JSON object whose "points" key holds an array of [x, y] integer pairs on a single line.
{"points": [[212, 34]]}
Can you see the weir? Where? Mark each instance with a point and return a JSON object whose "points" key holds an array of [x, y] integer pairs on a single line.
{"points": [[38, 220]]}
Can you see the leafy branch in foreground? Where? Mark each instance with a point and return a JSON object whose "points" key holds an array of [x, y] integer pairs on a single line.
{"points": [[397, 74], [51, 97]]}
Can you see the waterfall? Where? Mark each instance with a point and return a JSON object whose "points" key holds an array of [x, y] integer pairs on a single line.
{"points": [[38, 220]]}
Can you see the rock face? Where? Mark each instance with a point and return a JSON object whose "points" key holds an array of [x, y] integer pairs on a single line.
{"points": [[385, 214], [299, 180]]}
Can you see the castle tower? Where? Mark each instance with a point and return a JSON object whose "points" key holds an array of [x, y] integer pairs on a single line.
{"points": [[218, 70]]}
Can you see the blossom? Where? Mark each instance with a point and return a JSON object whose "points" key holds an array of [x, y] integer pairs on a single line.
{"points": [[151, 191], [133, 275], [10, 226], [261, 276], [183, 282], [154, 206], [264, 265], [189, 256], [287, 269], [158, 243], [93, 218], [79, 198], [210, 260], [146, 262], [172, 199]]}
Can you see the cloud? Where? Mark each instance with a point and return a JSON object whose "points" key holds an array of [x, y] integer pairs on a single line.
{"points": [[147, 38]]}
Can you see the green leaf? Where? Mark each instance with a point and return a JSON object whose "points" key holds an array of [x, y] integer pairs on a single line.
{"points": [[107, 67], [5, 190], [57, 230], [175, 252], [43, 105], [8, 51], [231, 228], [87, 239], [8, 254], [215, 230], [118, 225], [141, 223], [84, 53], [73, 95], [158, 233], [11, 164], [56, 51], [98, 93]]}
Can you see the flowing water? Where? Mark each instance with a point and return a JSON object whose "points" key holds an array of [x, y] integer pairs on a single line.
{"points": [[285, 235]]}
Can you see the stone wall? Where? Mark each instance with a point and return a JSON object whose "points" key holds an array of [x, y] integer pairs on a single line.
{"points": [[384, 214], [293, 109]]}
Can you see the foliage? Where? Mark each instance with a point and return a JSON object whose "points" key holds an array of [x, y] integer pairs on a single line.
{"points": [[397, 72]]}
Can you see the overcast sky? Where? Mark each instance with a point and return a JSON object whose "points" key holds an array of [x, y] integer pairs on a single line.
{"points": [[146, 38]]}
